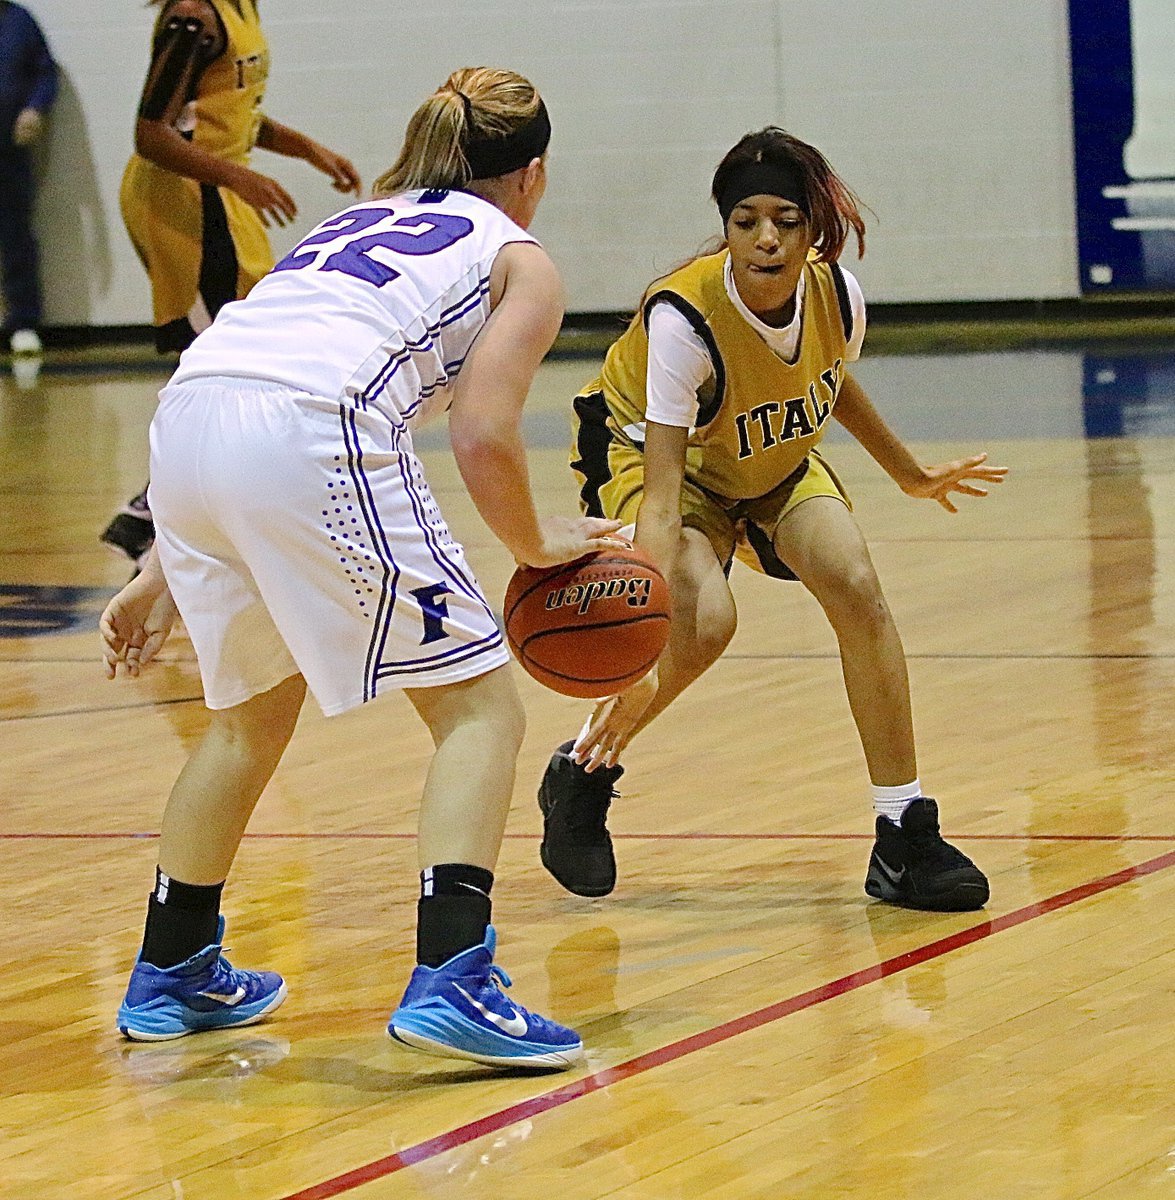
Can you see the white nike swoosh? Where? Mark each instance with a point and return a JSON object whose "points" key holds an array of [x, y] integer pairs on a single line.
{"points": [[229, 999], [515, 1026], [895, 877]]}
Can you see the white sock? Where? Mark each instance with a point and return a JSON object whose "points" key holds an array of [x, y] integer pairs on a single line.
{"points": [[582, 733], [891, 802]]}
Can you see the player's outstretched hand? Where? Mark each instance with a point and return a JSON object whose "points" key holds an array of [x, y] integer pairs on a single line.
{"points": [[136, 624], [567, 538], [936, 483], [275, 205], [613, 724], [343, 176]]}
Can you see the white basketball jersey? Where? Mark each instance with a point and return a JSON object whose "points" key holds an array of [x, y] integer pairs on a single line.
{"points": [[378, 307]]}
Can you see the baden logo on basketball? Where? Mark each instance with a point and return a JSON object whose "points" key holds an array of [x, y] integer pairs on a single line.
{"points": [[592, 627], [635, 590]]}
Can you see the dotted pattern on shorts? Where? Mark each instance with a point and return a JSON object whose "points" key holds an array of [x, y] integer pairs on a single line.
{"points": [[349, 538]]}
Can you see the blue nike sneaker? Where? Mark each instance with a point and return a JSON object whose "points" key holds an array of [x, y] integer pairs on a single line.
{"points": [[205, 992], [458, 1010]]}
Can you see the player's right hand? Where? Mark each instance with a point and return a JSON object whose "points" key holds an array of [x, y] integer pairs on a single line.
{"points": [[564, 539], [266, 195], [135, 625], [613, 723]]}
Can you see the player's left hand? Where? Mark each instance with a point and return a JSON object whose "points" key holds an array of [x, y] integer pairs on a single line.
{"points": [[135, 625], [27, 127], [343, 176], [936, 483], [613, 724]]}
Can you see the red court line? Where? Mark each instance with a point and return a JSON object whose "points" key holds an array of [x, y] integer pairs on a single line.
{"points": [[354, 835], [380, 1168]]}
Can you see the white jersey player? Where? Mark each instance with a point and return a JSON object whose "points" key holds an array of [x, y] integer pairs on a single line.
{"points": [[361, 329], [302, 546]]}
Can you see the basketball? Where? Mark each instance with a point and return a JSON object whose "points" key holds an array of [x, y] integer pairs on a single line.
{"points": [[588, 628]]}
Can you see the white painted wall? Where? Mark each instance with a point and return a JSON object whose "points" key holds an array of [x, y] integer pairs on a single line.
{"points": [[952, 121]]}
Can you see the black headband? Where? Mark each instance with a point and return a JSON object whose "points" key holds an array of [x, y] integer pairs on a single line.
{"points": [[488, 157], [784, 180]]}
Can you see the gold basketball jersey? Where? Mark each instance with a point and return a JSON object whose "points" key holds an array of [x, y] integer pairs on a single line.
{"points": [[758, 416], [225, 114]]}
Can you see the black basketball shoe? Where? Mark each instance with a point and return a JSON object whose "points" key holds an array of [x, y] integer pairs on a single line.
{"points": [[132, 531], [577, 848], [912, 866]]}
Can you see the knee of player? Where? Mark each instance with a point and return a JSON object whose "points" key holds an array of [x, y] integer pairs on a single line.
{"points": [[856, 599], [712, 635], [509, 718]]}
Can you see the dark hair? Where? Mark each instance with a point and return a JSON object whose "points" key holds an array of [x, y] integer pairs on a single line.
{"points": [[833, 209]]}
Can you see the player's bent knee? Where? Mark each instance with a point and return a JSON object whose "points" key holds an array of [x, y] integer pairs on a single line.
{"points": [[712, 642], [858, 603]]}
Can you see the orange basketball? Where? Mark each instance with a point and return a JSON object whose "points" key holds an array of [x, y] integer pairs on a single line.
{"points": [[591, 627]]}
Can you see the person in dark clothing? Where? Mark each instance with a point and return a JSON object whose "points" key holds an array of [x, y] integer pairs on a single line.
{"points": [[28, 87]]}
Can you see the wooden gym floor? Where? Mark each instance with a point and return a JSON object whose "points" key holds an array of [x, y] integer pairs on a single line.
{"points": [[755, 1027]]}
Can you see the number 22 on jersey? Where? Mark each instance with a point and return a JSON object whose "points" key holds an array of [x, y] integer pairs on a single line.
{"points": [[420, 233]]}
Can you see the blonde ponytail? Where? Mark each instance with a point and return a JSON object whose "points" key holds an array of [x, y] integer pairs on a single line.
{"points": [[497, 102]]}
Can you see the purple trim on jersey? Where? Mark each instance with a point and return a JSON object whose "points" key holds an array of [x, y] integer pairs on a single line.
{"points": [[441, 659], [405, 355], [387, 595], [395, 363], [483, 286], [473, 650], [448, 316], [427, 392], [467, 585], [375, 668]]}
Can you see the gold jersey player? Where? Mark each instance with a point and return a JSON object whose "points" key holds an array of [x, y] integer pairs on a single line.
{"points": [[703, 429], [195, 209]]}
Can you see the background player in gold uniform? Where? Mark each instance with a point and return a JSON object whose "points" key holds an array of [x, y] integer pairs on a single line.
{"points": [[702, 429], [195, 209]]}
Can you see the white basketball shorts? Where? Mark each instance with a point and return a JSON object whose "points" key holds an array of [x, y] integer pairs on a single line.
{"points": [[299, 535]]}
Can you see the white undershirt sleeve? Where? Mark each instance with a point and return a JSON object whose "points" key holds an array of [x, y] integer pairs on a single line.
{"points": [[679, 364], [857, 303]]}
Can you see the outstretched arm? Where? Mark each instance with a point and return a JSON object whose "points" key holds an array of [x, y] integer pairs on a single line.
{"points": [[281, 139], [486, 415], [855, 411], [658, 532], [189, 39]]}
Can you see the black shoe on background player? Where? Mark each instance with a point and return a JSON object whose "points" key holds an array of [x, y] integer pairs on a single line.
{"points": [[912, 866], [132, 531], [576, 847]]}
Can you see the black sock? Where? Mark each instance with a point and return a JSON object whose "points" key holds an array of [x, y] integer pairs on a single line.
{"points": [[453, 911], [182, 919]]}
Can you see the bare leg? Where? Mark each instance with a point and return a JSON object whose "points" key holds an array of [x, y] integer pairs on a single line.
{"points": [[454, 1005], [477, 727], [205, 817], [215, 794], [821, 542], [574, 797]]}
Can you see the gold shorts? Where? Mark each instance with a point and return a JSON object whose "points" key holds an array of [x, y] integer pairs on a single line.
{"points": [[202, 246], [612, 484]]}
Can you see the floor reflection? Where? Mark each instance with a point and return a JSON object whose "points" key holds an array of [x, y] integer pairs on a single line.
{"points": [[1129, 393]]}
